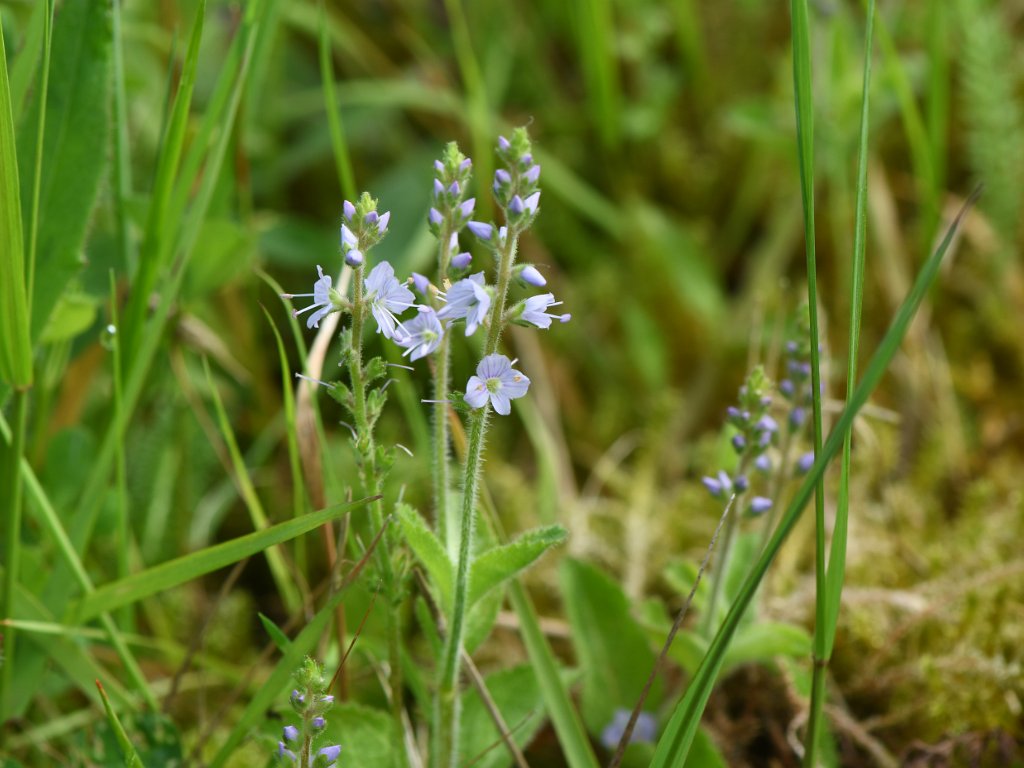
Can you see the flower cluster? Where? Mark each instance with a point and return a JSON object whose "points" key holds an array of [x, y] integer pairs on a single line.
{"points": [[755, 431], [796, 388], [310, 702]]}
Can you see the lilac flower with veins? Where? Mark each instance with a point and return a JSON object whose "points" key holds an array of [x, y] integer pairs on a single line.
{"points": [[421, 335], [387, 298], [325, 300], [534, 311], [498, 382], [468, 298]]}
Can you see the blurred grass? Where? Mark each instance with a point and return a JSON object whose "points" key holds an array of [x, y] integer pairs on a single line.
{"points": [[670, 230]]}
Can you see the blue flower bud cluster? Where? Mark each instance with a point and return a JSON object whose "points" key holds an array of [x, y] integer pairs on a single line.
{"points": [[310, 702], [362, 228], [796, 386], [755, 432]]}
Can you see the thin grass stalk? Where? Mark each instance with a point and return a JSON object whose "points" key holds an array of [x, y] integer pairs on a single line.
{"points": [[824, 634], [122, 529], [122, 153], [12, 534], [44, 87], [446, 711], [804, 104]]}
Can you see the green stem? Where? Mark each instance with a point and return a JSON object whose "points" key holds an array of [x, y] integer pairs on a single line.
{"points": [[441, 384], [33, 230], [446, 713], [371, 479], [12, 533], [447, 720]]}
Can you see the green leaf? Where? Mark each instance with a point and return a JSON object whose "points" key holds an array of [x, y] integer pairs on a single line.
{"points": [[74, 147], [178, 571], [131, 757], [498, 565], [279, 638], [15, 346], [481, 618], [430, 553], [516, 695], [763, 641], [367, 735], [611, 646], [74, 313]]}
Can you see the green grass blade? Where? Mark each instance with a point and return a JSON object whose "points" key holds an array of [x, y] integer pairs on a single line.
{"points": [[801, 35], [572, 736], [23, 67], [342, 156], [831, 591], [15, 346], [73, 151], [291, 432], [275, 557], [122, 170], [131, 757], [595, 25], [44, 87], [188, 567], [675, 742]]}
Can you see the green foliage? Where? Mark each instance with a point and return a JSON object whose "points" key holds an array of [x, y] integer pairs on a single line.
{"points": [[613, 650], [74, 148], [15, 348]]}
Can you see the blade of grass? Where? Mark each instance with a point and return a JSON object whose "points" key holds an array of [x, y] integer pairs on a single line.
{"points": [[37, 179], [275, 556], [675, 741], [572, 736], [595, 24], [188, 567], [12, 507], [291, 432], [123, 525], [342, 157], [15, 346], [23, 67], [131, 757], [804, 104], [832, 589], [122, 153]]}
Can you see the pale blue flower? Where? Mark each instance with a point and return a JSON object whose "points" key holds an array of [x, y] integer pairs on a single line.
{"points": [[421, 335], [325, 300], [534, 311], [330, 754], [388, 298], [291, 733], [497, 381], [468, 298], [759, 505], [645, 730]]}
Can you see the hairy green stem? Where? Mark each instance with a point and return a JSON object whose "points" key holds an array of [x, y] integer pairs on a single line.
{"points": [[441, 384], [372, 485], [446, 712]]}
